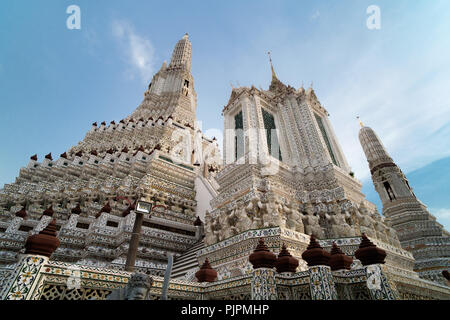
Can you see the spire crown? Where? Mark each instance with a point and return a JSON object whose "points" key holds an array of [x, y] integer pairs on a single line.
{"points": [[360, 122], [271, 66]]}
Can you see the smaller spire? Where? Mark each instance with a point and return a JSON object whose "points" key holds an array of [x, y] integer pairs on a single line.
{"points": [[360, 122]]}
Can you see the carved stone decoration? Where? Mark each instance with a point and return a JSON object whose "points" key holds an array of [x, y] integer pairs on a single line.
{"points": [[312, 226], [138, 288]]}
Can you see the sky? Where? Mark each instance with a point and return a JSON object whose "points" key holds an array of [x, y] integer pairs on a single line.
{"points": [[55, 82]]}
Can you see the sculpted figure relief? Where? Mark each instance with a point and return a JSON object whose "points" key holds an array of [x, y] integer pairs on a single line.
{"points": [[221, 224], [391, 234], [339, 227], [294, 218], [282, 214], [244, 223], [231, 221], [312, 226], [210, 237], [138, 288], [252, 210], [271, 218], [379, 227], [366, 223]]}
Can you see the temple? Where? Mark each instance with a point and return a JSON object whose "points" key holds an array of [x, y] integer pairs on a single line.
{"points": [[279, 216]]}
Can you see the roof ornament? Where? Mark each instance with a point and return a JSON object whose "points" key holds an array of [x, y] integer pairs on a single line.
{"points": [[271, 65], [360, 122]]}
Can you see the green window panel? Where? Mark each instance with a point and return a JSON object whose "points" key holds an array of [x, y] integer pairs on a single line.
{"points": [[325, 137], [269, 125], [239, 136]]}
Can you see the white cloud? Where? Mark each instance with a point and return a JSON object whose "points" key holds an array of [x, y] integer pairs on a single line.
{"points": [[315, 15], [138, 51]]}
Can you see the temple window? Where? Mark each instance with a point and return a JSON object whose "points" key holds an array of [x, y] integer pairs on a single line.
{"points": [[269, 125], [238, 136], [325, 138], [81, 225], [389, 190], [111, 223]]}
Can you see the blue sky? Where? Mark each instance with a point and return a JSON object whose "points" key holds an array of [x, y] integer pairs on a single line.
{"points": [[54, 82]]}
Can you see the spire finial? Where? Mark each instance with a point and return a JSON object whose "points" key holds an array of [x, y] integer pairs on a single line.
{"points": [[271, 65], [360, 122]]}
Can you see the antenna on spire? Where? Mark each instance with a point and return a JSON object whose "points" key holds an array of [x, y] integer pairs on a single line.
{"points": [[271, 65], [360, 122]]}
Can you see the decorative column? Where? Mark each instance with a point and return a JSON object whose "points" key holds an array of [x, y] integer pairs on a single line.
{"points": [[372, 258], [263, 275], [25, 282], [320, 277]]}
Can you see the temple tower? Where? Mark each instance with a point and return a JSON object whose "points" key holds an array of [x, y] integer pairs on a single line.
{"points": [[417, 229], [284, 165], [157, 154]]}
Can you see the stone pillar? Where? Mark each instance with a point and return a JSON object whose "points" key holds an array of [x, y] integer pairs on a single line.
{"points": [[25, 281], [263, 275], [372, 258], [321, 279], [263, 284], [321, 283]]}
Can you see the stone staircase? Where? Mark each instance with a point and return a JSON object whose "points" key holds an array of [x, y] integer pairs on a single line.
{"points": [[187, 262]]}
